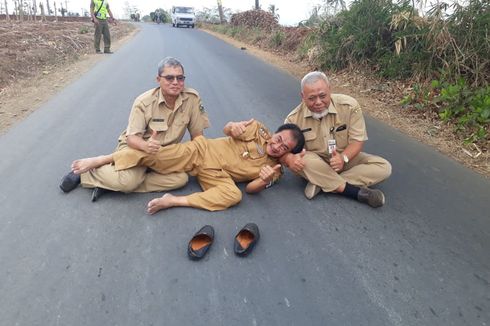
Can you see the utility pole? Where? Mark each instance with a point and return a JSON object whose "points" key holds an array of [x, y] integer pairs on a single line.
{"points": [[7, 11], [257, 5], [220, 11]]}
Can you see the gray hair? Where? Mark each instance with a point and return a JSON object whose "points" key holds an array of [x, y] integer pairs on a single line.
{"points": [[313, 77], [169, 62]]}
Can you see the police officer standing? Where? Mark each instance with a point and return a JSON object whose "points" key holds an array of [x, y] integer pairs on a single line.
{"points": [[159, 117], [99, 10], [335, 133]]}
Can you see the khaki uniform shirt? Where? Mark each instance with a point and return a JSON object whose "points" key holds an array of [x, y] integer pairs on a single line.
{"points": [[242, 157], [150, 112], [343, 110]]}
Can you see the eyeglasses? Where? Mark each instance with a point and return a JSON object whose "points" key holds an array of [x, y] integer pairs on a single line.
{"points": [[171, 78]]}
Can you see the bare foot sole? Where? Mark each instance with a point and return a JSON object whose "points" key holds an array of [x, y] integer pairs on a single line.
{"points": [[158, 204], [85, 164]]}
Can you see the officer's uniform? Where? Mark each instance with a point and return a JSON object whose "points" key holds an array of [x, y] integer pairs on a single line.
{"points": [[216, 163], [150, 112], [343, 124], [102, 28]]}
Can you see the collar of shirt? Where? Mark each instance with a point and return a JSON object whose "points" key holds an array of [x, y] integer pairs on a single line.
{"points": [[308, 114], [178, 102]]}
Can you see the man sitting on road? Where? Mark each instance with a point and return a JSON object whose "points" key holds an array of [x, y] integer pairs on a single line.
{"points": [[249, 153], [335, 133], [169, 109]]}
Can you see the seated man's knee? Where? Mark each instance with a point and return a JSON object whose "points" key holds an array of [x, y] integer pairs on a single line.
{"points": [[181, 181], [127, 183], [386, 168]]}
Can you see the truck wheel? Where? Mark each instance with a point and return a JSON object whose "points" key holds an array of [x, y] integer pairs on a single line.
{"points": [[192, 25]]}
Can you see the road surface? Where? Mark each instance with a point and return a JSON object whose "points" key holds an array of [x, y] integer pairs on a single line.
{"points": [[422, 259]]}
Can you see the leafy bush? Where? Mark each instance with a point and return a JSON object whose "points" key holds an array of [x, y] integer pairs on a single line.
{"points": [[457, 102], [277, 38]]}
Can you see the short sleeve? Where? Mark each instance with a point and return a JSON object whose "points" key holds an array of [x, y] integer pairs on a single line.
{"points": [[198, 117], [137, 120], [251, 131], [357, 126]]}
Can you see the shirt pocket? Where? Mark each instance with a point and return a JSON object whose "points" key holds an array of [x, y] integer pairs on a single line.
{"points": [[182, 120], [341, 139], [254, 151], [312, 141], [158, 125]]}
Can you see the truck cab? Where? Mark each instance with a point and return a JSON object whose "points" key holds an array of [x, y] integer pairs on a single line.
{"points": [[183, 16]]}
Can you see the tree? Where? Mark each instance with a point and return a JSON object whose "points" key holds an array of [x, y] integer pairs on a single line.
{"points": [[273, 10]]}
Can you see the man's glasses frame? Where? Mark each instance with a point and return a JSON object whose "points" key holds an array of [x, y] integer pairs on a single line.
{"points": [[171, 78]]}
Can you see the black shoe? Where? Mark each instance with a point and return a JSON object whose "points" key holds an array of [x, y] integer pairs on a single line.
{"points": [[246, 239], [70, 182], [200, 243], [98, 192], [108, 52], [372, 197], [98, 51]]}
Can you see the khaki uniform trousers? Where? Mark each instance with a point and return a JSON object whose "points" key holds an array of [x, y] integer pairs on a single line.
{"points": [[137, 179], [102, 28], [220, 191], [364, 170]]}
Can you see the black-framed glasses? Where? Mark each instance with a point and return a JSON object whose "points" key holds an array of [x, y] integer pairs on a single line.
{"points": [[171, 78]]}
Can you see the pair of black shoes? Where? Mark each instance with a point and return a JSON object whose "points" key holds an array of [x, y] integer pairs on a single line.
{"points": [[244, 242], [72, 180]]}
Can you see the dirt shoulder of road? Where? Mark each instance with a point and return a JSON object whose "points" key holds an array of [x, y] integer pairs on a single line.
{"points": [[38, 59], [381, 100]]}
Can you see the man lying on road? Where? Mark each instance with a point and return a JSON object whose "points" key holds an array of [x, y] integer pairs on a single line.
{"points": [[249, 153]]}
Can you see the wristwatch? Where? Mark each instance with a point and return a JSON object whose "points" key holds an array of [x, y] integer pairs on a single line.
{"points": [[346, 159]]}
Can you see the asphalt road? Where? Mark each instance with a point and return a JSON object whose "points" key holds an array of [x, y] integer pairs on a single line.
{"points": [[422, 259]]}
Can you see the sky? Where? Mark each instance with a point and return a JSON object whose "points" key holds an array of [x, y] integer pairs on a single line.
{"points": [[290, 12]]}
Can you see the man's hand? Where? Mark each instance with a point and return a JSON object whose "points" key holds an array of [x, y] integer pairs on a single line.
{"points": [[112, 21], [337, 161], [295, 162], [267, 172], [152, 144], [95, 21], [238, 128]]}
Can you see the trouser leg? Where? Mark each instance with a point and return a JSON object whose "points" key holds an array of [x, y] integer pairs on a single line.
{"points": [[154, 181], [320, 173], [366, 170], [108, 178], [220, 191], [363, 171], [172, 158], [97, 36], [107, 36]]}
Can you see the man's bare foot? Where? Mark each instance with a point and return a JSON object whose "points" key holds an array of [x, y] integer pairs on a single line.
{"points": [[85, 164], [164, 202]]}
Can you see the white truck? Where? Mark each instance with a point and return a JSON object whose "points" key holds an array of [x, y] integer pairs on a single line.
{"points": [[183, 16]]}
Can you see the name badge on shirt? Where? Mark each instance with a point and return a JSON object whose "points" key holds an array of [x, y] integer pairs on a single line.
{"points": [[332, 145]]}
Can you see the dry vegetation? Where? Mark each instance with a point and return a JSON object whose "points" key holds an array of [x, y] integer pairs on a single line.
{"points": [[38, 58]]}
